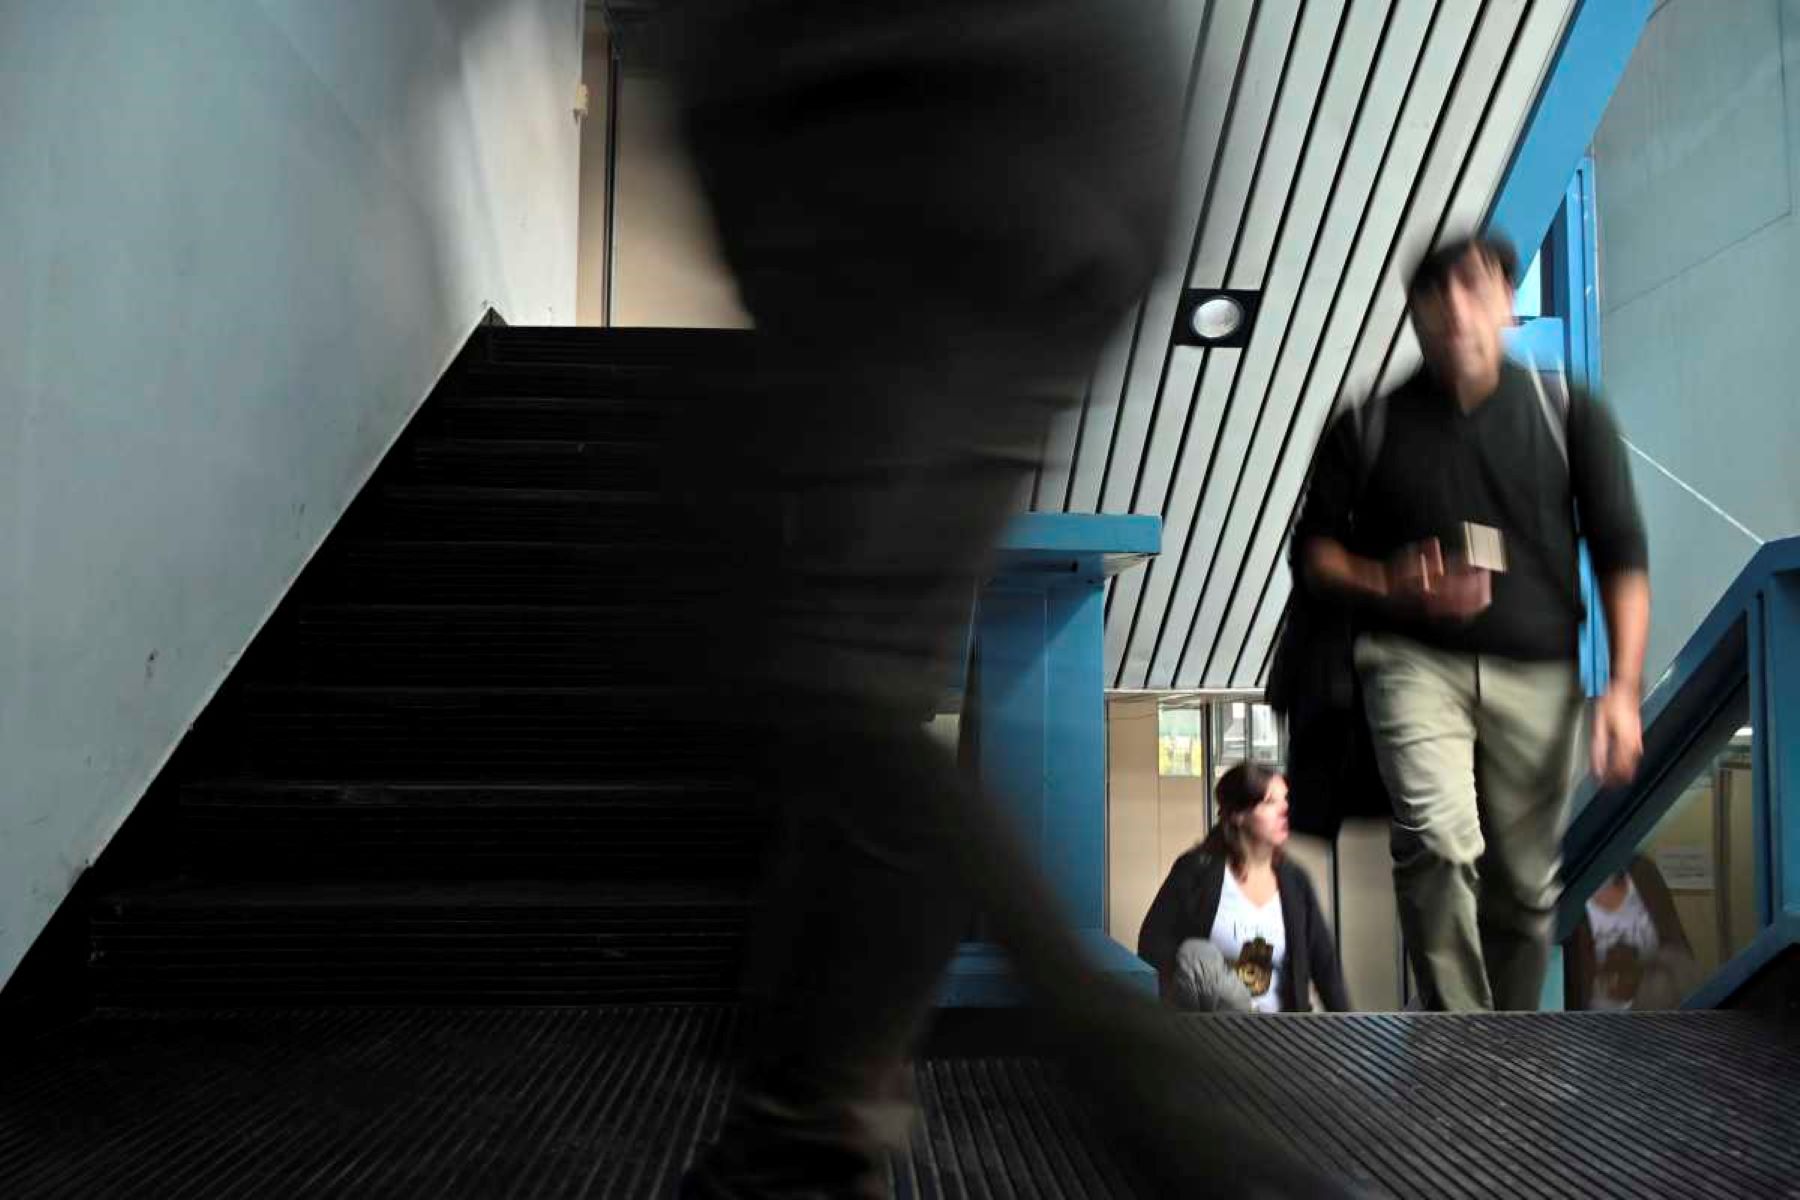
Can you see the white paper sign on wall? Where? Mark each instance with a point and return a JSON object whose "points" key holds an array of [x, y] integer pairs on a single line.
{"points": [[1686, 868]]}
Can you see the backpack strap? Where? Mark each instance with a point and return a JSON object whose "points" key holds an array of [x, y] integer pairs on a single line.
{"points": [[1556, 411]]}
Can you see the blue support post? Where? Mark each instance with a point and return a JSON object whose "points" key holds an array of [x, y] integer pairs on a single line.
{"points": [[1041, 711], [1775, 745], [1595, 49]]}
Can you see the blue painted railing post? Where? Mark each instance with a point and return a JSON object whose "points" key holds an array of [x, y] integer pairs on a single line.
{"points": [[1043, 727], [1774, 630], [1039, 703]]}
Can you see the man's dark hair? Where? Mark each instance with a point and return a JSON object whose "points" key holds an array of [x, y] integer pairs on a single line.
{"points": [[1433, 271]]}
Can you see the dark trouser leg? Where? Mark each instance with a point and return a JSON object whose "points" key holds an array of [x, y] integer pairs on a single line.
{"points": [[935, 212]]}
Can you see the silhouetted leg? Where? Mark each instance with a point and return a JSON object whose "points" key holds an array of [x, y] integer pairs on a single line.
{"points": [[936, 212]]}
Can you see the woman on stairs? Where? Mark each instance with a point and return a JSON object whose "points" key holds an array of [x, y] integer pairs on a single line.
{"points": [[1237, 927]]}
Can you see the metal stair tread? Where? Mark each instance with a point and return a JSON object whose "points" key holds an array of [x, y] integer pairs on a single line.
{"points": [[560, 896]]}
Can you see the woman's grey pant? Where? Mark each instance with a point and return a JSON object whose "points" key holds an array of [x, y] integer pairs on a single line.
{"points": [[1203, 981]]}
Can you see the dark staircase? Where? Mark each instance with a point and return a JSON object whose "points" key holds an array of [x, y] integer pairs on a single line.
{"points": [[467, 762]]}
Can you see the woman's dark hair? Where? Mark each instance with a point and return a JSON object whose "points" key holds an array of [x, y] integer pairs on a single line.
{"points": [[1238, 791]]}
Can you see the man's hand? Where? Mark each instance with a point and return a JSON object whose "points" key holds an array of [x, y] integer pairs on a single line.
{"points": [[1417, 577], [1618, 736]]}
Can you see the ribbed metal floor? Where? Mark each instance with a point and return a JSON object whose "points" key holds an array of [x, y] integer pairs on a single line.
{"points": [[611, 1102]]}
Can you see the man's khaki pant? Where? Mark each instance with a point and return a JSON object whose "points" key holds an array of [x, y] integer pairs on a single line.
{"points": [[1476, 753]]}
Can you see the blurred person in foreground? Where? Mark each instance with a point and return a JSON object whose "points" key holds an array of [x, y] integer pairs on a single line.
{"points": [[935, 213], [1448, 515]]}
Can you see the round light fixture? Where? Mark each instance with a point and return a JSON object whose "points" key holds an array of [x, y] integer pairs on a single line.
{"points": [[1216, 317]]}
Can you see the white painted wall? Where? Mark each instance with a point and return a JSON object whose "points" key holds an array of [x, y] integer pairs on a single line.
{"points": [[239, 241], [1696, 168]]}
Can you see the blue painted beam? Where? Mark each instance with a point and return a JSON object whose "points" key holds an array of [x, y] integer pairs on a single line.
{"points": [[1077, 533], [1595, 49]]}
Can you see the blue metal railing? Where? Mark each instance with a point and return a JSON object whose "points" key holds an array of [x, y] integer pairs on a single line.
{"points": [[1742, 665]]}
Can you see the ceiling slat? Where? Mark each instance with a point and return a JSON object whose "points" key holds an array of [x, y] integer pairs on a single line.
{"points": [[1294, 428], [1212, 106], [1428, 81], [1223, 57], [1251, 101], [1246, 424], [1269, 57], [1264, 73], [1079, 430]]}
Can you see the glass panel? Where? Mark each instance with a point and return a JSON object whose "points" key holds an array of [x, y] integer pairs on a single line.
{"points": [[1180, 750], [1686, 902], [1528, 301], [1234, 742], [1265, 741]]}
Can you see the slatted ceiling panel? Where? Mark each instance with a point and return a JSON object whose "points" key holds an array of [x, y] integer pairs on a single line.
{"points": [[1129, 380], [1218, 376], [1151, 408], [1093, 431], [1247, 632], [1311, 167], [1178, 401], [1328, 31], [1289, 427], [1229, 395], [1266, 70], [1325, 143], [1268, 64], [1224, 54], [1053, 490], [1444, 167], [1250, 101]]}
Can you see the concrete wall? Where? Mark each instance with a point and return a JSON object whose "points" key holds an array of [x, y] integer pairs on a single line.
{"points": [[1695, 166], [668, 269], [242, 240], [590, 276]]}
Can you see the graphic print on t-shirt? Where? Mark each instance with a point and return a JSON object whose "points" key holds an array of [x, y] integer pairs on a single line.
{"points": [[1620, 973], [1255, 966]]}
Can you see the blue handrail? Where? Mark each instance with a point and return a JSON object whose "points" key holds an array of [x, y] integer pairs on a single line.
{"points": [[1743, 662]]}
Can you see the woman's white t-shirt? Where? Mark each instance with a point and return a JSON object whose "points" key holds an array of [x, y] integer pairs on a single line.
{"points": [[1253, 939], [1625, 941]]}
